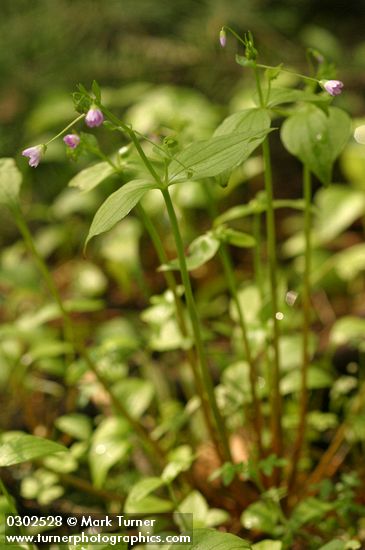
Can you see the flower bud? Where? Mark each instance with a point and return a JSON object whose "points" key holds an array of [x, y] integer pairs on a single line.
{"points": [[71, 140], [94, 117], [34, 154], [223, 38], [333, 87]]}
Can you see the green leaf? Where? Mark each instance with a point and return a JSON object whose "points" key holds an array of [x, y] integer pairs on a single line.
{"points": [[208, 539], [200, 251], [348, 330], [110, 445], [279, 96], [317, 138], [17, 447], [10, 181], [257, 206], [309, 510], [76, 425], [249, 120], [339, 207], [136, 394], [144, 488], [90, 177], [118, 205], [235, 238], [349, 263], [317, 378], [261, 516], [268, 544], [149, 505], [209, 158], [180, 460], [244, 62]]}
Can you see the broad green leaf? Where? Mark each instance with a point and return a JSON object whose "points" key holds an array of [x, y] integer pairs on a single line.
{"points": [[136, 394], [118, 205], [110, 445], [195, 504], [261, 516], [339, 207], [17, 447], [90, 177], [208, 539], [317, 378], [317, 138], [278, 96], [144, 488], [209, 158], [349, 263], [78, 426], [180, 460], [10, 181], [200, 251], [348, 330], [149, 505], [249, 120]]}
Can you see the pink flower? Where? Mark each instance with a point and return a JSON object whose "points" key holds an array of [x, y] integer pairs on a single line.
{"points": [[34, 154], [333, 87], [71, 140], [94, 117], [223, 38]]}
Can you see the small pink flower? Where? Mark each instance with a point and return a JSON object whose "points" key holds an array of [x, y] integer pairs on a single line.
{"points": [[34, 154], [333, 87], [223, 38], [72, 140], [94, 117]]}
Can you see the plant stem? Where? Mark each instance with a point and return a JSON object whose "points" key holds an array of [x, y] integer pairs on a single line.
{"points": [[275, 396], [156, 452], [222, 444], [65, 129], [306, 305], [203, 379], [179, 308], [232, 286], [171, 282], [257, 412], [257, 262]]}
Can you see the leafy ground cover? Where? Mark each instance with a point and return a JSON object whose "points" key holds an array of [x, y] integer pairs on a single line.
{"points": [[177, 337]]}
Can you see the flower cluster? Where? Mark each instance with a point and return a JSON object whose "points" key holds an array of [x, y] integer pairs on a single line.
{"points": [[94, 117]]}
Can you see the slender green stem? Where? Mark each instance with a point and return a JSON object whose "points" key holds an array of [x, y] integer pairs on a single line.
{"points": [[299, 75], [257, 261], [275, 396], [171, 282], [127, 129], [223, 445], [276, 401], [306, 307], [65, 129], [257, 418], [155, 450], [257, 412]]}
